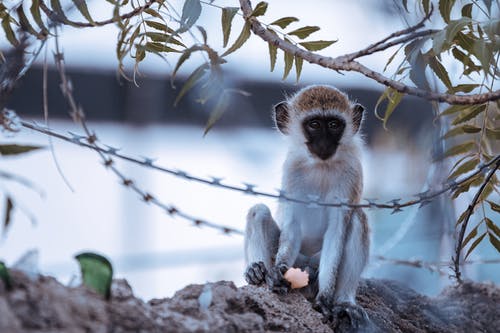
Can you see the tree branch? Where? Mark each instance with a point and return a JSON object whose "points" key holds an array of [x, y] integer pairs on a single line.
{"points": [[382, 44], [377, 47], [56, 17], [341, 63], [470, 210]]}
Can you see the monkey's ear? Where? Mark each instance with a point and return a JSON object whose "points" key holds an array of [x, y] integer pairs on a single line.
{"points": [[282, 116], [357, 116]]}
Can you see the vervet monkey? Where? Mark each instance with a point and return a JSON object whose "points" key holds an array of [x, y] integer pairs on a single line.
{"points": [[332, 244]]}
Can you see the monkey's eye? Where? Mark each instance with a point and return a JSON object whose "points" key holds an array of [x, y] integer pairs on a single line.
{"points": [[333, 124], [314, 124]]}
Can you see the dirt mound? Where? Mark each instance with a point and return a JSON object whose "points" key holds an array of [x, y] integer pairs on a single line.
{"points": [[45, 305]]}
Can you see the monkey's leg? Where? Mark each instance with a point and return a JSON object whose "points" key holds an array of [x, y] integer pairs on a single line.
{"points": [[354, 260], [346, 314], [261, 243], [331, 257]]}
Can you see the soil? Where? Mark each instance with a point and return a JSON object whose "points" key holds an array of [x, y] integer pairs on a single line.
{"points": [[43, 304]]}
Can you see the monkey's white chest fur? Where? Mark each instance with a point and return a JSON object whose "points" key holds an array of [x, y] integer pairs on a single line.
{"points": [[325, 182]]}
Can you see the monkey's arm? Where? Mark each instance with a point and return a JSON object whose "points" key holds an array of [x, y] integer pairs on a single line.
{"points": [[288, 251], [289, 244]]}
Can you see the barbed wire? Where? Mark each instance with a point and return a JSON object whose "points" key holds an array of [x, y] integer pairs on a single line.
{"points": [[78, 115], [396, 205], [11, 122], [432, 266]]}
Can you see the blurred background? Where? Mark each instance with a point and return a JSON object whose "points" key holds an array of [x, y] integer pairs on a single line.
{"points": [[159, 254]]}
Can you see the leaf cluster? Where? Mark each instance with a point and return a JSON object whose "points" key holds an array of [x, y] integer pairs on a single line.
{"points": [[470, 37]]}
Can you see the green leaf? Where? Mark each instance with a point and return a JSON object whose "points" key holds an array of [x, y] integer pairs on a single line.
{"points": [[494, 206], [464, 129], [460, 149], [493, 134], [159, 26], [438, 40], [191, 11], [140, 53], [393, 98], [469, 114], [159, 47], [444, 38], [426, 5], [260, 9], [445, 7], [227, 21], [57, 8], [217, 112], [9, 206], [391, 58], [25, 23], [467, 10], [298, 67], [273, 52], [288, 64], [495, 242], [195, 76], [242, 38], [473, 246], [464, 187], [492, 29], [4, 275], [13, 149], [440, 71], [184, 56], [418, 63], [405, 5], [464, 168], [454, 109], [9, 33], [492, 226], [465, 88], [97, 272], [284, 21], [483, 52], [162, 38], [317, 45], [83, 9], [37, 16], [304, 32], [470, 236], [153, 13]]}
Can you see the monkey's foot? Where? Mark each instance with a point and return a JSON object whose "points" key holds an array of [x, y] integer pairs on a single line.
{"points": [[256, 273], [348, 317], [342, 317], [276, 281]]}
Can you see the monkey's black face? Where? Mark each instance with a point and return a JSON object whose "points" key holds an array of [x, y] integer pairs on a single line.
{"points": [[323, 135]]}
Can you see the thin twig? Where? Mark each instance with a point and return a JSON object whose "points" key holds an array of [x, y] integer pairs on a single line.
{"points": [[436, 266], [340, 64], [470, 210], [382, 44], [56, 17], [46, 118]]}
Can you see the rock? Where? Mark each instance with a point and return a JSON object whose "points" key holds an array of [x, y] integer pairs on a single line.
{"points": [[44, 305]]}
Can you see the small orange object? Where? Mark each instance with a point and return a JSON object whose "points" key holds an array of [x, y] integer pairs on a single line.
{"points": [[297, 277]]}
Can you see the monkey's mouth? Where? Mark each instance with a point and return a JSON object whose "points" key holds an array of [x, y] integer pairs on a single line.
{"points": [[322, 151]]}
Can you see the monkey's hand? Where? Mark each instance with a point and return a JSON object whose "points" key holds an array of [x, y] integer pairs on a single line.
{"points": [[256, 273], [276, 281], [343, 317]]}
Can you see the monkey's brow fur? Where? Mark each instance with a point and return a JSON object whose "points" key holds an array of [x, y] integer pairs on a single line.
{"points": [[322, 98]]}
